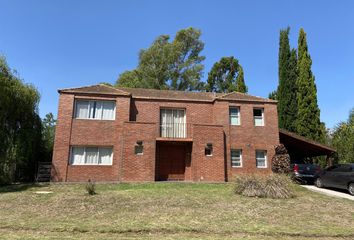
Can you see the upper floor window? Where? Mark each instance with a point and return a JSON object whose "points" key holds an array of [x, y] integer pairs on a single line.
{"points": [[258, 115], [236, 158], [91, 155], [173, 123], [87, 109], [234, 113], [261, 158]]}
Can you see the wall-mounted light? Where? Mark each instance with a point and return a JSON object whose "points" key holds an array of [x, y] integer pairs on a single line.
{"points": [[139, 148], [209, 149]]}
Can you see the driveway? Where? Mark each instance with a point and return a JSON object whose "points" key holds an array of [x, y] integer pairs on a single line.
{"points": [[329, 192]]}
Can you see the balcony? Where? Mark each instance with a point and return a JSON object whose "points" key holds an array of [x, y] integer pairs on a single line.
{"points": [[175, 132]]}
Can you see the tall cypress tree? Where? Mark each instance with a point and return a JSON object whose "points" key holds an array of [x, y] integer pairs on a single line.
{"points": [[291, 86], [286, 92], [240, 81], [308, 116], [283, 64]]}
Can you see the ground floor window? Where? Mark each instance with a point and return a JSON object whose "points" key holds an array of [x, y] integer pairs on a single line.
{"points": [[261, 158], [81, 155], [236, 158]]}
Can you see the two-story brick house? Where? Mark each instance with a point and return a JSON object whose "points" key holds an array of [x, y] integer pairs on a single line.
{"points": [[122, 134]]}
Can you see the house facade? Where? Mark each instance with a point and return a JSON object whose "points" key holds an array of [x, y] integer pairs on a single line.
{"points": [[123, 135]]}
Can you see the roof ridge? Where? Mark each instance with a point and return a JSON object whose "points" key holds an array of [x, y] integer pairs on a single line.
{"points": [[224, 94], [72, 88], [245, 94], [112, 87], [169, 90], [97, 86]]}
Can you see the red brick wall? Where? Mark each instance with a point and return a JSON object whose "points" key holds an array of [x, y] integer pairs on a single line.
{"points": [[62, 138], [196, 112], [138, 167], [250, 138], [207, 123], [87, 132], [208, 168]]}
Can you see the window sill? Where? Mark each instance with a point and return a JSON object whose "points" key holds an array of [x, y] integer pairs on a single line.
{"points": [[92, 119], [91, 165]]}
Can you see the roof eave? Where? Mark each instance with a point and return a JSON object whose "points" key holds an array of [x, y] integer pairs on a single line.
{"points": [[301, 138], [246, 100]]}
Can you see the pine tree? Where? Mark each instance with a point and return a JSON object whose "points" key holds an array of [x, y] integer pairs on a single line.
{"points": [[308, 122], [240, 81], [286, 92], [226, 76]]}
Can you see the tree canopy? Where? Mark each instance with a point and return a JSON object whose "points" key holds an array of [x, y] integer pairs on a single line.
{"points": [[286, 92], [169, 64], [240, 81], [20, 127], [343, 139], [48, 134], [226, 76], [308, 122]]}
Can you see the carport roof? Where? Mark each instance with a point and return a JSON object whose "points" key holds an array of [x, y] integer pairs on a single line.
{"points": [[300, 146]]}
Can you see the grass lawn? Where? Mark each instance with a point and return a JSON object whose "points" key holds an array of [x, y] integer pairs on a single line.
{"points": [[168, 211]]}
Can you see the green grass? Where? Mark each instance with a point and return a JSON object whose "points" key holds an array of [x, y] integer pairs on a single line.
{"points": [[168, 211]]}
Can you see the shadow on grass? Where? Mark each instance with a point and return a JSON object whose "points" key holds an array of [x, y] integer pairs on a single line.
{"points": [[20, 187]]}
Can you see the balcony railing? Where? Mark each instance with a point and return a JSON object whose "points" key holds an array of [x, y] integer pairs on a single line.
{"points": [[173, 130]]}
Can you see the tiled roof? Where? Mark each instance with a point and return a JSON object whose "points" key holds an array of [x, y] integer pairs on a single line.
{"points": [[243, 97], [169, 94], [166, 94], [97, 89], [194, 96]]}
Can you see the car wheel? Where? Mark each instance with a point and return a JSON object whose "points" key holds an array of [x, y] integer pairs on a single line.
{"points": [[319, 183], [351, 188]]}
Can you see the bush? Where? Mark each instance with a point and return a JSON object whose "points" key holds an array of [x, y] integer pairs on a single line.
{"points": [[267, 186], [90, 187]]}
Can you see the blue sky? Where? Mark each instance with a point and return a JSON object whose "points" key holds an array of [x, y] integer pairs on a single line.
{"points": [[62, 44]]}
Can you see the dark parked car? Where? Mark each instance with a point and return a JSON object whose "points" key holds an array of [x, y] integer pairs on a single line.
{"points": [[305, 172], [338, 176]]}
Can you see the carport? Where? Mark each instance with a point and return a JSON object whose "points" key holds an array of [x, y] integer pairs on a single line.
{"points": [[300, 148]]}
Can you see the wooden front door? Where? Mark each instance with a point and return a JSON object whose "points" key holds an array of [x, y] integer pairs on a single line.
{"points": [[171, 162]]}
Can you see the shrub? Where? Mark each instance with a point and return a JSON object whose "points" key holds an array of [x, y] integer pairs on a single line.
{"points": [[267, 186], [90, 187]]}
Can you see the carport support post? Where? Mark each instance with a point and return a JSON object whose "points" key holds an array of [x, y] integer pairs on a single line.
{"points": [[329, 160]]}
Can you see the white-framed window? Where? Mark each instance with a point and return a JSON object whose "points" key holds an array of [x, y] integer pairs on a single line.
{"points": [[236, 158], [234, 113], [89, 109], [91, 155], [258, 115], [261, 159]]}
